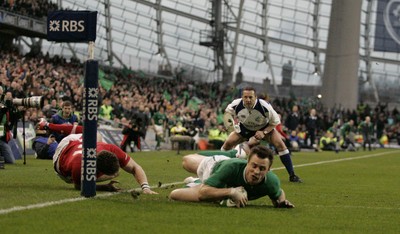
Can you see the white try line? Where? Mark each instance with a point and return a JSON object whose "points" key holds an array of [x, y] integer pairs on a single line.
{"points": [[339, 160], [63, 201], [52, 203], [353, 207]]}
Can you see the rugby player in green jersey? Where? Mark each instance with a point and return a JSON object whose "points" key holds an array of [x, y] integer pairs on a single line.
{"points": [[236, 179]]}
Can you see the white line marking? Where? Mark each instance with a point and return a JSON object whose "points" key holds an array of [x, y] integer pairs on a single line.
{"points": [[68, 200], [40, 205], [337, 160], [52, 203], [354, 207]]}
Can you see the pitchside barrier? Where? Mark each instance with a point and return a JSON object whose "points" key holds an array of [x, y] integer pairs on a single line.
{"points": [[110, 134], [113, 135]]}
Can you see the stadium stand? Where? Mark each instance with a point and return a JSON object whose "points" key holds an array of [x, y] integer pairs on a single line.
{"points": [[197, 105]]}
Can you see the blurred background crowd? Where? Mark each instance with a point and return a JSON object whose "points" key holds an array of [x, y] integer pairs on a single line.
{"points": [[133, 99]]}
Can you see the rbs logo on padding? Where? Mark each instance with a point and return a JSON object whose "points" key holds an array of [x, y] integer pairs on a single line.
{"points": [[66, 26], [71, 26]]}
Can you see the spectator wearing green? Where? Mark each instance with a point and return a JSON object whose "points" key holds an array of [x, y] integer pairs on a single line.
{"points": [[346, 131], [366, 128], [159, 122]]}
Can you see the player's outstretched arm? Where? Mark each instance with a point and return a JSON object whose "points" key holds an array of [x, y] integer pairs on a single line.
{"points": [[137, 171], [65, 128], [208, 193]]}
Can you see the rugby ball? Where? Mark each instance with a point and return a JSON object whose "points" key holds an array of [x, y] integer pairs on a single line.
{"points": [[228, 122], [229, 202], [241, 153]]}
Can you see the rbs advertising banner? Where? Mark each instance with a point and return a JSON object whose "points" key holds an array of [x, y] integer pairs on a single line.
{"points": [[71, 26], [387, 31]]}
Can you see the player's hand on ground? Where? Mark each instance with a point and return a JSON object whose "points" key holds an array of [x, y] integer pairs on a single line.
{"points": [[284, 204], [149, 191], [239, 196], [111, 186]]}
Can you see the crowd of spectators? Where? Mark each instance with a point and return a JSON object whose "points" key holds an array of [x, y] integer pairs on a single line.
{"points": [[34, 8], [198, 106], [313, 121]]}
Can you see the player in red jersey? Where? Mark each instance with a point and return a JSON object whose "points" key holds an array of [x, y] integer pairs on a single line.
{"points": [[68, 158]]}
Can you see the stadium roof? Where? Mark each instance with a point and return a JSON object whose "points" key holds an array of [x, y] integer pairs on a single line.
{"points": [[146, 34]]}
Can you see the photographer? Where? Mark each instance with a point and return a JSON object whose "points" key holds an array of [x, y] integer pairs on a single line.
{"points": [[131, 133], [7, 114], [43, 144], [142, 120]]}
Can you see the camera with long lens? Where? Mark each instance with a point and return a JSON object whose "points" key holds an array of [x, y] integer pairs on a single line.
{"points": [[7, 107], [35, 102]]}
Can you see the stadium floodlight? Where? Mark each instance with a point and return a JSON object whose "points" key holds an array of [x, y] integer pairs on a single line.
{"points": [[316, 72]]}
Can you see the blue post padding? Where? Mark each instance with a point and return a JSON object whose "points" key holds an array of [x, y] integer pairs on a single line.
{"points": [[90, 111], [71, 26]]}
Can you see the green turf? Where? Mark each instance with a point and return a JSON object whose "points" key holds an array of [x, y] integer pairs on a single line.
{"points": [[353, 196]]}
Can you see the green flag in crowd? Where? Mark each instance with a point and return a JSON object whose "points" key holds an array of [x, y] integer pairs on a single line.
{"points": [[141, 74], [127, 71], [194, 102], [104, 82], [166, 95], [186, 94]]}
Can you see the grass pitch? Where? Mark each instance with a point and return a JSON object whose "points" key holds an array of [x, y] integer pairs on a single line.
{"points": [[349, 192]]}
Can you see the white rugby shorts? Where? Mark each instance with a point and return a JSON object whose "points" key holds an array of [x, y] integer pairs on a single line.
{"points": [[207, 164]]}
